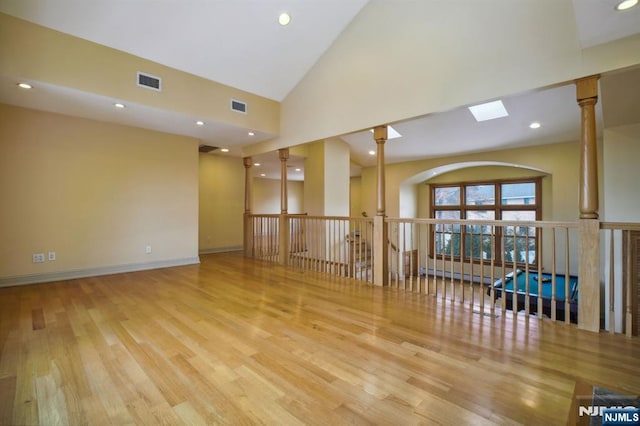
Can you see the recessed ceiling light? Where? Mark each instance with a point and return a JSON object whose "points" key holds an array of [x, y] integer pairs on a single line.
{"points": [[200, 123], [256, 164], [262, 174], [224, 149], [391, 133], [24, 85], [488, 111], [372, 152], [284, 19], [119, 105], [534, 125], [251, 133], [626, 4]]}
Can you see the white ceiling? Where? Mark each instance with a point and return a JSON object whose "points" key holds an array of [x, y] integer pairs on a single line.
{"points": [[234, 42], [240, 44]]}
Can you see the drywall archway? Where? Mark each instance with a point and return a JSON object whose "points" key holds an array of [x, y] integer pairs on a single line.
{"points": [[408, 196]]}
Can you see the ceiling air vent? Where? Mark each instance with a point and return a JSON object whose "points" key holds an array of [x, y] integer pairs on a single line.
{"points": [[239, 106], [149, 81], [207, 148]]}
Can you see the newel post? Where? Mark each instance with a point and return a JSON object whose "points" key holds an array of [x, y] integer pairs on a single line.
{"points": [[589, 229], [380, 251], [283, 223]]}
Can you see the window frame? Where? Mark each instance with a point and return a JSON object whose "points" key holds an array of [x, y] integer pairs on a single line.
{"points": [[498, 208]]}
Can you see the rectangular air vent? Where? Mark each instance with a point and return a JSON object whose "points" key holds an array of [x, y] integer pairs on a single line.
{"points": [[207, 148], [149, 81], [239, 106]]}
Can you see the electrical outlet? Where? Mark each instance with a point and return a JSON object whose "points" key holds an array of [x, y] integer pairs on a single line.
{"points": [[52, 255], [148, 249], [38, 257]]}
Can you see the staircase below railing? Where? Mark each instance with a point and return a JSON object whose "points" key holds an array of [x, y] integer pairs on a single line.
{"points": [[334, 245]]}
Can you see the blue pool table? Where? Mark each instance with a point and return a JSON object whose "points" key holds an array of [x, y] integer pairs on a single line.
{"points": [[546, 279]]}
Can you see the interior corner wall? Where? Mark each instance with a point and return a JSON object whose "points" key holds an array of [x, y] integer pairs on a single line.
{"points": [[95, 193], [337, 162], [314, 179], [408, 201], [620, 203], [621, 157], [355, 196], [266, 196], [221, 203]]}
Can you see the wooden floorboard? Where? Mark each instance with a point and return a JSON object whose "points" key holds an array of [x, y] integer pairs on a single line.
{"points": [[237, 341]]}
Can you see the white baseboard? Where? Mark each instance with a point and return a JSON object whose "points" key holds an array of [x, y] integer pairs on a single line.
{"points": [[93, 272], [220, 250]]}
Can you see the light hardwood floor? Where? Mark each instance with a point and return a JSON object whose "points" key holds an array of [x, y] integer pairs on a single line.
{"points": [[235, 341]]}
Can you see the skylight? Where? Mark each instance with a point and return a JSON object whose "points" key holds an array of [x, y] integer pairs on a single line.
{"points": [[488, 111]]}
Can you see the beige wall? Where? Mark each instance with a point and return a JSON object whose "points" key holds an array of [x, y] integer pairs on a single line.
{"points": [[93, 192], [559, 161], [68, 61], [314, 179], [266, 196], [355, 196], [474, 174], [221, 204], [394, 63], [621, 174], [559, 164], [336, 177]]}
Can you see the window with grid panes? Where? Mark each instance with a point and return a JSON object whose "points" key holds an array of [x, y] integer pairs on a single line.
{"points": [[509, 200]]}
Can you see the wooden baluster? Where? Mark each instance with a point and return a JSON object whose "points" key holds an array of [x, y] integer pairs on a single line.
{"points": [[567, 310], [426, 257], [503, 300], [492, 279], [539, 308], [398, 254], [514, 258], [628, 324], [471, 289], [451, 267], [419, 258], [481, 288], [461, 262], [412, 230], [553, 274], [527, 310], [612, 281], [435, 260]]}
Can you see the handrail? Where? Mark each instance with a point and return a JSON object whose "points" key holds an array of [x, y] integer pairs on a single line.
{"points": [[519, 223], [621, 226], [457, 259]]}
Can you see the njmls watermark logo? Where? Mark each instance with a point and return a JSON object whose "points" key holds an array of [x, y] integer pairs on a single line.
{"points": [[621, 416], [608, 410]]}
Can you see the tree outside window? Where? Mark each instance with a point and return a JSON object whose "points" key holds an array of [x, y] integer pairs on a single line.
{"points": [[511, 201]]}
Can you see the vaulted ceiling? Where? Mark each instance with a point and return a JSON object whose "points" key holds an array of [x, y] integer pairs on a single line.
{"points": [[239, 43]]}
